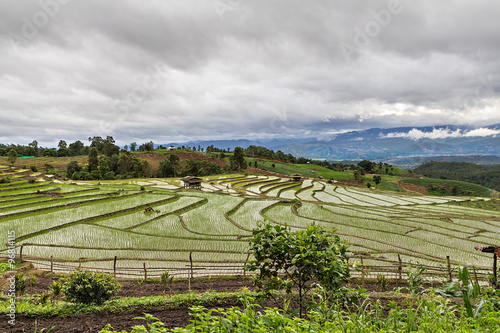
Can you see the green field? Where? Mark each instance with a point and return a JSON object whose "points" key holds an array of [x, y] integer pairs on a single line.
{"points": [[101, 221]]}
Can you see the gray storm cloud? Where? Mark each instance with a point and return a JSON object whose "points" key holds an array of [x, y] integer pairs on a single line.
{"points": [[164, 70]]}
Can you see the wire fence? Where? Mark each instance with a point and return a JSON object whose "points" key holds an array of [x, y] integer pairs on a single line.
{"points": [[362, 267]]}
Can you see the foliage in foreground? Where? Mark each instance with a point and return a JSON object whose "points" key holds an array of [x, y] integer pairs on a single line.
{"points": [[422, 311], [423, 314]]}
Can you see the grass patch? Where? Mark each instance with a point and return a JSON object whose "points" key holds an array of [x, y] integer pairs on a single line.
{"points": [[28, 307]]}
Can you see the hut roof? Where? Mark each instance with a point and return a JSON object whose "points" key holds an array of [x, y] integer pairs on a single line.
{"points": [[489, 249], [192, 180]]}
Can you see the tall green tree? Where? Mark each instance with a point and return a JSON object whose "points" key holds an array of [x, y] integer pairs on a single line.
{"points": [[292, 260], [33, 148], [109, 148], [62, 144], [147, 146], [72, 168], [104, 169], [93, 160], [367, 166], [75, 148], [12, 156], [237, 160], [174, 161], [62, 152], [165, 169]]}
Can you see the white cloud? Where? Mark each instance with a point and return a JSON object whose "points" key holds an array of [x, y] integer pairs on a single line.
{"points": [[416, 134], [483, 132], [263, 68], [441, 133]]}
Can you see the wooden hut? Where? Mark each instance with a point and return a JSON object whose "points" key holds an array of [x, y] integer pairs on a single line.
{"points": [[192, 182], [496, 253], [297, 177]]}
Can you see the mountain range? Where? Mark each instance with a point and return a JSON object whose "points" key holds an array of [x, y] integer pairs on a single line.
{"points": [[401, 146]]}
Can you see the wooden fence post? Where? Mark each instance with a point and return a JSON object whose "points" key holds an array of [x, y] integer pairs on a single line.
{"points": [[21, 254], [246, 260], [450, 279], [51, 264], [191, 264], [145, 272], [400, 268], [495, 269], [114, 267], [362, 273], [190, 275]]}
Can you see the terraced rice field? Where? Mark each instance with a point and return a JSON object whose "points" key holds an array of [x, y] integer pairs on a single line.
{"points": [[212, 226]]}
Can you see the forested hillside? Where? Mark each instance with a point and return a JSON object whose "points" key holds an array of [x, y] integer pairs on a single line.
{"points": [[488, 176]]}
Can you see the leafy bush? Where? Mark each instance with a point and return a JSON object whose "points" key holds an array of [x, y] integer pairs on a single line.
{"points": [[90, 287], [292, 260], [5, 180], [34, 168]]}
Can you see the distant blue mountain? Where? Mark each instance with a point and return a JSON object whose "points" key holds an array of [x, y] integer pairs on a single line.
{"points": [[378, 144]]}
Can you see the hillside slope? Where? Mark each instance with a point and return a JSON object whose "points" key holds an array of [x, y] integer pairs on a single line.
{"points": [[487, 176]]}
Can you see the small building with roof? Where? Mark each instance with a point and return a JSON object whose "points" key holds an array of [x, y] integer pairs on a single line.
{"points": [[192, 182], [496, 254], [296, 177]]}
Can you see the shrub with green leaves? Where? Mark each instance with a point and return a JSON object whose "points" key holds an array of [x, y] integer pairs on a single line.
{"points": [[90, 287], [292, 260]]}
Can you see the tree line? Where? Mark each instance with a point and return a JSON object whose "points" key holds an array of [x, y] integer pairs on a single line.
{"points": [[487, 176], [106, 160]]}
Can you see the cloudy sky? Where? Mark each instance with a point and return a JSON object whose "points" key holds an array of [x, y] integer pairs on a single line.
{"points": [[181, 70]]}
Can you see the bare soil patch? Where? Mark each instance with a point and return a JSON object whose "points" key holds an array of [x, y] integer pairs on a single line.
{"points": [[412, 188]]}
